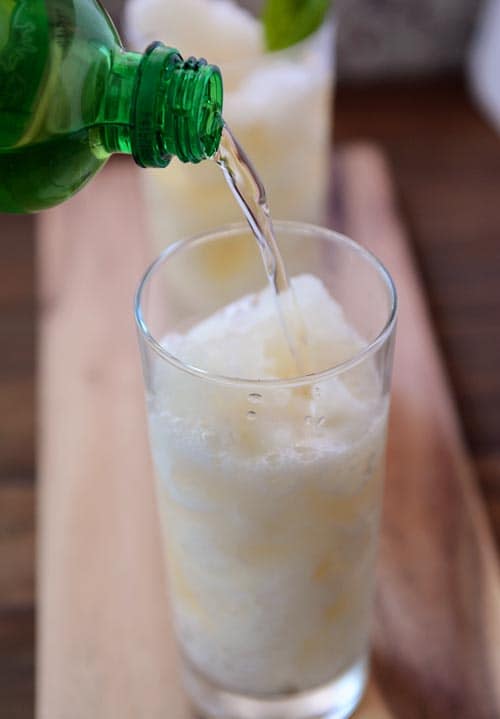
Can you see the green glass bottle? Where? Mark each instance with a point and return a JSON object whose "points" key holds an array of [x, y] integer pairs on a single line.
{"points": [[70, 97]]}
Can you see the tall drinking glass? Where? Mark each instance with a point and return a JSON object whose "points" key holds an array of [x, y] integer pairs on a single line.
{"points": [[269, 489]]}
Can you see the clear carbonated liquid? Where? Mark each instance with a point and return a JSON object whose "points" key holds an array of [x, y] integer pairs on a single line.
{"points": [[250, 193]]}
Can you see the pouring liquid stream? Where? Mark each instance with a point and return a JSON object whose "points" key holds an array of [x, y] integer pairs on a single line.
{"points": [[249, 192]]}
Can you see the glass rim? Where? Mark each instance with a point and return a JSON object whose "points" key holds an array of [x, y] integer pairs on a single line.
{"points": [[283, 225]]}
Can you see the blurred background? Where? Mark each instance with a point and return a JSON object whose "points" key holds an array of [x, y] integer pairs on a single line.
{"points": [[419, 79], [381, 39]]}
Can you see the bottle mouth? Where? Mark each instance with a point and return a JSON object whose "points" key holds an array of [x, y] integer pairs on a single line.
{"points": [[196, 110], [178, 108]]}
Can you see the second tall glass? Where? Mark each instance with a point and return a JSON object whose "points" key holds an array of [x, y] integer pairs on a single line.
{"points": [[278, 105]]}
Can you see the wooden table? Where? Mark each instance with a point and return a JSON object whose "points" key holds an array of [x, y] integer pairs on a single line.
{"points": [[105, 647], [461, 325], [446, 161]]}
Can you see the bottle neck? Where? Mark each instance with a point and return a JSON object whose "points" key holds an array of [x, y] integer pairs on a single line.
{"points": [[157, 105]]}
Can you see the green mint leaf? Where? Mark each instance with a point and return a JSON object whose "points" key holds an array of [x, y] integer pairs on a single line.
{"points": [[287, 22]]}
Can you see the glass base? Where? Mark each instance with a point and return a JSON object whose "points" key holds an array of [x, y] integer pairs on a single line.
{"points": [[336, 700]]}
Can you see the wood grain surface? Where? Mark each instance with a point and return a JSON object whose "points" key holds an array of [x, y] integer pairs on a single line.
{"points": [[105, 647], [446, 161], [17, 322], [437, 629], [104, 639], [17, 359]]}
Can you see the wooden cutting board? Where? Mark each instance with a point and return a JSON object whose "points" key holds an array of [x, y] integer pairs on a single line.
{"points": [[105, 648]]}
